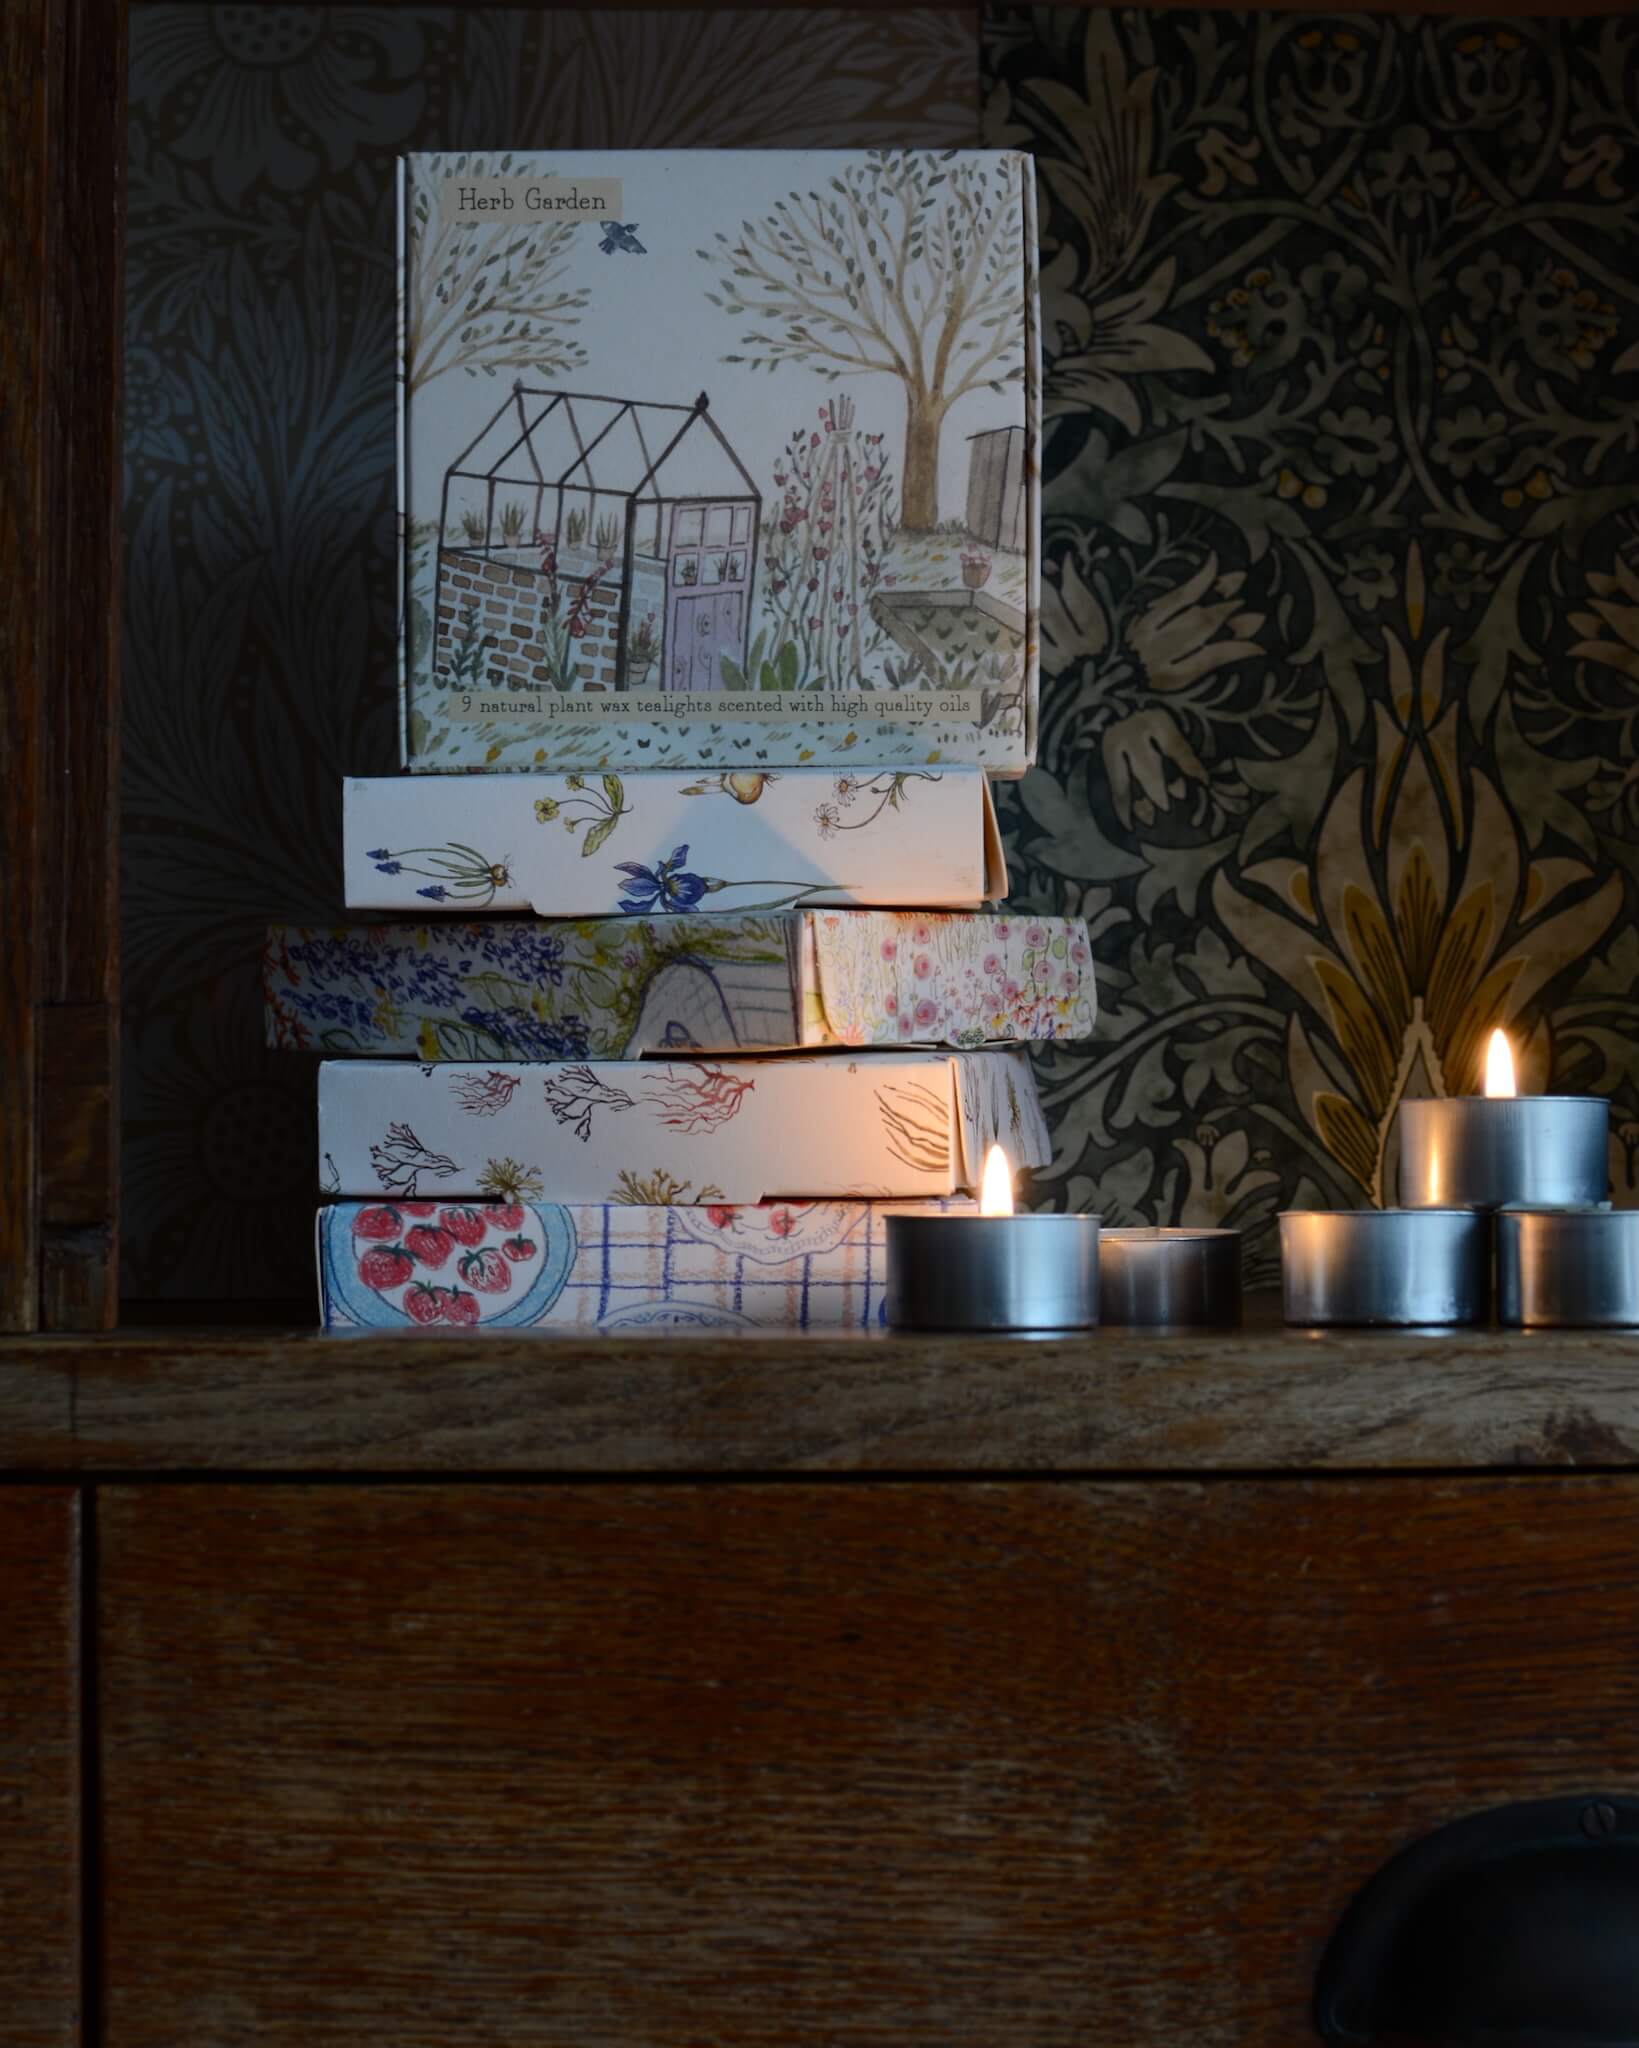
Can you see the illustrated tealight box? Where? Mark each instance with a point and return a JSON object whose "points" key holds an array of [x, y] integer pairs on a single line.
{"points": [[674, 844], [621, 987], [610, 1266], [719, 458], [876, 1126]]}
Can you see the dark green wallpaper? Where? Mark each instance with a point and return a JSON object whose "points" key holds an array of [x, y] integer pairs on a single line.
{"points": [[1341, 605], [1341, 669]]}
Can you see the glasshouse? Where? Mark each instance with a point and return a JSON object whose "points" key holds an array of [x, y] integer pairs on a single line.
{"points": [[595, 544]]}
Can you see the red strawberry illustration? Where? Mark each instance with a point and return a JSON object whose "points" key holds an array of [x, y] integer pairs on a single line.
{"points": [[459, 1307], [780, 1222], [719, 1215], [486, 1271], [466, 1226], [385, 1265], [429, 1245], [518, 1249], [379, 1223], [418, 1208], [507, 1216], [424, 1304]]}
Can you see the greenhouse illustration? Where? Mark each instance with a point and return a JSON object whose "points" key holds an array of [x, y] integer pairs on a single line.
{"points": [[595, 544]]}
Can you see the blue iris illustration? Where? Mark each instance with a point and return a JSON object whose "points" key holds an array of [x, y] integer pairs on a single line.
{"points": [[664, 887]]}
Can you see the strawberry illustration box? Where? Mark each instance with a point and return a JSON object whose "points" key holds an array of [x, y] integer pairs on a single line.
{"points": [[674, 844], [719, 459], [608, 1266], [877, 1126], [621, 987]]}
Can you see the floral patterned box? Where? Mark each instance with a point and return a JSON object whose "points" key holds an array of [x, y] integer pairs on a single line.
{"points": [[608, 1266], [708, 457], [882, 1126], [609, 845], [620, 987]]}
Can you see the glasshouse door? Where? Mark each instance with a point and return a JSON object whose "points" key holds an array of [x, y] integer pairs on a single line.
{"points": [[707, 595]]}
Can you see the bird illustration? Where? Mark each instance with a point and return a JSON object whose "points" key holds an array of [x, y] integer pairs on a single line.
{"points": [[621, 235]]}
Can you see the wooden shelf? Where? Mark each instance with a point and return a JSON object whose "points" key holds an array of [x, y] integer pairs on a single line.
{"points": [[1264, 1399]]}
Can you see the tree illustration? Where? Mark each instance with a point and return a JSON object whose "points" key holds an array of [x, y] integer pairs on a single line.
{"points": [[908, 264], [486, 294]]}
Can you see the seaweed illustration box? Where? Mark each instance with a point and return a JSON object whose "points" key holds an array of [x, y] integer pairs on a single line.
{"points": [[605, 845], [718, 459], [621, 987], [880, 1126], [616, 1266]]}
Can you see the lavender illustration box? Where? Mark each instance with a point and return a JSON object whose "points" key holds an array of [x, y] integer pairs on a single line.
{"points": [[719, 459], [610, 845], [611, 1266], [620, 987], [878, 1126]]}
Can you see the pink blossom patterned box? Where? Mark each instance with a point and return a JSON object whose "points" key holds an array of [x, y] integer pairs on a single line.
{"points": [[607, 845], [877, 1126], [621, 987], [610, 1266]]}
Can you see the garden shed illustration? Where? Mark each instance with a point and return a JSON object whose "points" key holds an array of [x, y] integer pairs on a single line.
{"points": [[997, 507], [595, 544]]}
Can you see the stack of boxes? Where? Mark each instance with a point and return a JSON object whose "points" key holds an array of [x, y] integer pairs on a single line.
{"points": [[717, 489]]}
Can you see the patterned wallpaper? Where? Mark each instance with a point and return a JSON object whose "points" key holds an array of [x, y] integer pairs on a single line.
{"points": [[1341, 490], [1341, 616], [259, 484]]}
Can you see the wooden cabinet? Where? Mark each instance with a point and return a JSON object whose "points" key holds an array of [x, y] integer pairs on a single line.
{"points": [[39, 1768], [876, 1762], [952, 1691]]}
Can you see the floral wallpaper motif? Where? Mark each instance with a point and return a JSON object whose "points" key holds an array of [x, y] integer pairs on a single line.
{"points": [[1341, 606], [259, 486]]}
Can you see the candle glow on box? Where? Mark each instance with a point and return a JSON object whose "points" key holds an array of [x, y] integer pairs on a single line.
{"points": [[1502, 1149], [999, 1270]]}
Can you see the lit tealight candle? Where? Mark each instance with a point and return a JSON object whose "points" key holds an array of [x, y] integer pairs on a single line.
{"points": [[994, 1271], [1499, 1065], [996, 1184], [1503, 1150]]}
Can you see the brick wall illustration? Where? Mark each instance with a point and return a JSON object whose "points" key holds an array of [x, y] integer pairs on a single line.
{"points": [[505, 601]]}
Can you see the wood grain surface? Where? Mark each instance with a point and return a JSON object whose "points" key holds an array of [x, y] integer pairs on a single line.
{"points": [[78, 876], [39, 1768], [1112, 1401], [25, 34], [765, 1764], [62, 156]]}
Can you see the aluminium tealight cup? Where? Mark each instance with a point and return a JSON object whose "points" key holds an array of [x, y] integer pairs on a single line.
{"points": [[1500, 1151], [1568, 1269], [1410, 1268], [1022, 1272], [1171, 1278]]}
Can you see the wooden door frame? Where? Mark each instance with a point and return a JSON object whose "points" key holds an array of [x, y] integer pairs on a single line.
{"points": [[62, 234]]}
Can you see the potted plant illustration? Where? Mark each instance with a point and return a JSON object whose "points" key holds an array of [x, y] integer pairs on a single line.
{"points": [[645, 645]]}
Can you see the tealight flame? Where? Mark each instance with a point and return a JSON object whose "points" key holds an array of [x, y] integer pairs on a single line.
{"points": [[996, 1184], [1499, 1066]]}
